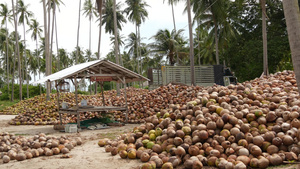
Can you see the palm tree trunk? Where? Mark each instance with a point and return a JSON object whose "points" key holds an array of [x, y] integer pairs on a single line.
{"points": [[116, 42], [26, 74], [46, 50], [90, 37], [77, 51], [216, 41], [177, 57], [137, 51], [13, 74], [17, 50], [38, 59], [7, 60], [173, 15], [292, 18], [58, 59], [100, 6], [90, 34], [52, 33], [191, 44], [199, 55], [89, 59], [140, 53], [99, 40], [49, 48], [264, 34], [13, 78]]}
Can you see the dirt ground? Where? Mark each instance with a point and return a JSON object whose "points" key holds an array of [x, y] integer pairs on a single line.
{"points": [[88, 155]]}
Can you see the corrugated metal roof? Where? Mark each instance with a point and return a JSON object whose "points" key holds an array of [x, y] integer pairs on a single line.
{"points": [[88, 69]]}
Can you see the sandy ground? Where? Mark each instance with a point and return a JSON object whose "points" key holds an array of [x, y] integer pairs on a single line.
{"points": [[88, 155]]}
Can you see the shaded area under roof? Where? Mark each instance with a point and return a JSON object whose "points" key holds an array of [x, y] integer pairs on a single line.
{"points": [[95, 68]]}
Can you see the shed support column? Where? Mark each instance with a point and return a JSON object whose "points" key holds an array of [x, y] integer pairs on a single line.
{"points": [[76, 101], [58, 107], [125, 94], [102, 93]]}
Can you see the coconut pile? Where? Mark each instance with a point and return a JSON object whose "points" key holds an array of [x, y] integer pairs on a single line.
{"points": [[253, 124], [20, 148], [142, 103]]}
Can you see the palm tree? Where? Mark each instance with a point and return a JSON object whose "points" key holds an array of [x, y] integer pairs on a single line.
{"points": [[108, 19], [100, 8], [264, 34], [131, 43], [17, 49], [191, 43], [36, 30], [6, 46], [65, 61], [42, 52], [79, 54], [172, 3], [77, 45], [24, 16], [116, 42], [214, 16], [53, 4], [131, 46], [113, 19], [89, 11], [292, 18], [46, 49], [33, 63], [120, 43], [167, 43], [137, 13], [203, 40], [4, 13]]}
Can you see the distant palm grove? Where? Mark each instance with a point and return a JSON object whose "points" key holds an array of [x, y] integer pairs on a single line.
{"points": [[224, 32]]}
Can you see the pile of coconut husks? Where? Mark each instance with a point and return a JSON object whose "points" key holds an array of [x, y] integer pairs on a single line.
{"points": [[253, 124]]}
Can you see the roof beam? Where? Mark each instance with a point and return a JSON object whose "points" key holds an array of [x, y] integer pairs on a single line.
{"points": [[101, 75]]}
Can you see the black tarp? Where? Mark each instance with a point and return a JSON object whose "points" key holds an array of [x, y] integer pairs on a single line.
{"points": [[219, 72]]}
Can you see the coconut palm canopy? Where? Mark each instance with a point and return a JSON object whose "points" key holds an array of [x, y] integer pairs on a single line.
{"points": [[95, 68]]}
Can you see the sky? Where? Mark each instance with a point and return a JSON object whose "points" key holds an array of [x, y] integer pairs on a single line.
{"points": [[159, 17]]}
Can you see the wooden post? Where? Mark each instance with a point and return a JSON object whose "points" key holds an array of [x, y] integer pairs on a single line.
{"points": [[125, 94], [102, 93], [76, 101], [58, 107]]}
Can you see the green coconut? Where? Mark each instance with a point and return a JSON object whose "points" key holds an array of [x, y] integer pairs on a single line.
{"points": [[150, 144]]}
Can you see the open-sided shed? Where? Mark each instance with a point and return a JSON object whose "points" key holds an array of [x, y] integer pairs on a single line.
{"points": [[99, 71]]}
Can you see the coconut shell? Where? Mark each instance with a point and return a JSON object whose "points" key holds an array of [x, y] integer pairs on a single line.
{"points": [[255, 150], [5, 159], [20, 157], [167, 165], [275, 159], [145, 157]]}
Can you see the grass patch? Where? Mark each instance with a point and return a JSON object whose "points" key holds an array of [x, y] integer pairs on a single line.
{"points": [[20, 134], [284, 166], [110, 136], [7, 103]]}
